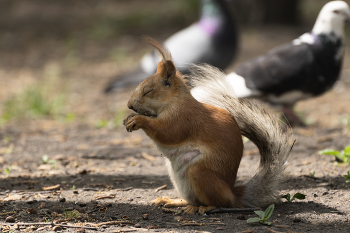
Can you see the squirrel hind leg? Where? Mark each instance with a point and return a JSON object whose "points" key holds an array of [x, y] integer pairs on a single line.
{"points": [[211, 190]]}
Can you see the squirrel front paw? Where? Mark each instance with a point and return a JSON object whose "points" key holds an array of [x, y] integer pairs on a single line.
{"points": [[130, 122]]}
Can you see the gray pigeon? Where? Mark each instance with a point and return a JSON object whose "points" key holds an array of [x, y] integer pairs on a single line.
{"points": [[213, 40], [306, 67]]}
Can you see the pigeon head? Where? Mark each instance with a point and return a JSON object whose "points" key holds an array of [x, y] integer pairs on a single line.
{"points": [[332, 18]]}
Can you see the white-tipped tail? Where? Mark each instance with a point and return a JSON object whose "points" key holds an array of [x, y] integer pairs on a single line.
{"points": [[273, 139]]}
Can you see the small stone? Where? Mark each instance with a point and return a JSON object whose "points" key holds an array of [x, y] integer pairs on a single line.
{"points": [[41, 229], [75, 192], [9, 219], [82, 204], [31, 201], [137, 225], [241, 217], [130, 199], [33, 228], [325, 193], [81, 230], [56, 228], [315, 195], [145, 216], [63, 199]]}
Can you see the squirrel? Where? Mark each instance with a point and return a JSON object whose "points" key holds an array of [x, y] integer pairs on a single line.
{"points": [[200, 135]]}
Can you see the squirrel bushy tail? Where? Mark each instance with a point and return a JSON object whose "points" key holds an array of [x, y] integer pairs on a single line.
{"points": [[273, 139]]}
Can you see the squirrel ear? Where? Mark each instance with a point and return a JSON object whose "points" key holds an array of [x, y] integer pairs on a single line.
{"points": [[170, 72]]}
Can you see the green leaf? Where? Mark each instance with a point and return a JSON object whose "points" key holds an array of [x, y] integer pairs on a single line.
{"points": [[347, 149], [287, 196], [328, 152], [253, 220], [269, 211], [267, 223], [260, 213], [298, 196]]}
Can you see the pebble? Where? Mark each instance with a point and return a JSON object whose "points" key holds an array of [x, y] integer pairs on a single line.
{"points": [[137, 225], [63, 199], [9, 219], [56, 228]]}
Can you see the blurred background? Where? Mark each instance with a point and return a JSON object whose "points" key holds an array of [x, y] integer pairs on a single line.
{"points": [[57, 56]]}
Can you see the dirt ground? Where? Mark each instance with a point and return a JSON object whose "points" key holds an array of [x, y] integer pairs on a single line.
{"points": [[92, 173]]}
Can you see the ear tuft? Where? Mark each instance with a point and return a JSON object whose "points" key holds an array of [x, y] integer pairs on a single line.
{"points": [[162, 50]]}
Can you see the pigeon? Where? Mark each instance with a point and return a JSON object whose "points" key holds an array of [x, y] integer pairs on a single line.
{"points": [[213, 39], [306, 67]]}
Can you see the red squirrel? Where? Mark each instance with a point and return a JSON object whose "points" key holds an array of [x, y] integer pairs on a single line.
{"points": [[202, 142]]}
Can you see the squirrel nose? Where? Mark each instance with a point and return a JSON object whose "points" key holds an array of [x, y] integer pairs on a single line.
{"points": [[130, 106]]}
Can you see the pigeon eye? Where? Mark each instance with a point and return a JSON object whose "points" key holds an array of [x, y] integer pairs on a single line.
{"points": [[336, 12]]}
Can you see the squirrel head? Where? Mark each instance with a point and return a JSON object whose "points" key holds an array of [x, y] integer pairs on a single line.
{"points": [[157, 92]]}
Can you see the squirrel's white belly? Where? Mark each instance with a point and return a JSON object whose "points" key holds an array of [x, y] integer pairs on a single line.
{"points": [[177, 162]]}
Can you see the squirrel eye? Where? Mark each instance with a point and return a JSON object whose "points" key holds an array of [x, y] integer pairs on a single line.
{"points": [[147, 92], [336, 11]]}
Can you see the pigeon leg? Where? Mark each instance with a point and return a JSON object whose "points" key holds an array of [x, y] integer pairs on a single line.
{"points": [[291, 117]]}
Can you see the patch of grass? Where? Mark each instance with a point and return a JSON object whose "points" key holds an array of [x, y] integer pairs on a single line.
{"points": [[45, 160], [340, 156], [263, 216], [8, 170], [42, 99], [295, 196], [71, 214], [312, 174], [347, 177]]}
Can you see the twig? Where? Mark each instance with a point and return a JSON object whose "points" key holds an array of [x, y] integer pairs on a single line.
{"points": [[202, 224], [160, 188], [232, 210], [47, 223], [315, 178], [114, 223]]}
